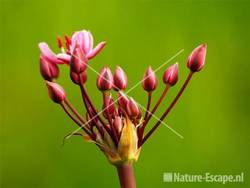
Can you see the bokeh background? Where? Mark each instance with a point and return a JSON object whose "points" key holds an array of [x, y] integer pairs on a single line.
{"points": [[212, 115]]}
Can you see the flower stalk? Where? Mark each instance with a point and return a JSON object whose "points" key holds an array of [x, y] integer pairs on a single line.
{"points": [[118, 130], [126, 176]]}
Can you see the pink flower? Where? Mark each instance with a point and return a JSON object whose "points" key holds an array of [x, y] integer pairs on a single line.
{"points": [[48, 70], [105, 79], [149, 81], [196, 60], [120, 79], [171, 75], [85, 40], [56, 92]]}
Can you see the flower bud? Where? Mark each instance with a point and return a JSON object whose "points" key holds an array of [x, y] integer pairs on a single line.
{"points": [[75, 77], [78, 63], [56, 92], [105, 79], [48, 70], [122, 100], [120, 79], [196, 60], [170, 76], [149, 81], [118, 124], [132, 109]]}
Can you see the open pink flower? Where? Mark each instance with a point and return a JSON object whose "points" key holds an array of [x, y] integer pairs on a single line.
{"points": [[85, 41]]}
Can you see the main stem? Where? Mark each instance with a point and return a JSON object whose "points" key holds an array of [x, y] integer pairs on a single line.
{"points": [[126, 176]]}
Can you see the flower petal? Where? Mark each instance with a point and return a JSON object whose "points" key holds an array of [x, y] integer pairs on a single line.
{"points": [[96, 50], [48, 54], [65, 58]]}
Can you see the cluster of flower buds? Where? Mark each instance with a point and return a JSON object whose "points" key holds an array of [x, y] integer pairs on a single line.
{"points": [[119, 128]]}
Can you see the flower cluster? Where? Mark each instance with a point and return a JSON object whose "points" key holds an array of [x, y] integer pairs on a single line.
{"points": [[119, 128]]}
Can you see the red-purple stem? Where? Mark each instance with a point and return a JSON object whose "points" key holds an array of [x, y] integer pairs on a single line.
{"points": [[168, 109], [87, 105], [146, 120], [106, 106], [74, 111], [148, 105], [74, 118], [126, 176]]}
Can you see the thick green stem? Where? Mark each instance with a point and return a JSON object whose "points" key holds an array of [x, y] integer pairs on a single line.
{"points": [[126, 176]]}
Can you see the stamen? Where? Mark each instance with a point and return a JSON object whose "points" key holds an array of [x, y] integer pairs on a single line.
{"points": [[59, 41]]}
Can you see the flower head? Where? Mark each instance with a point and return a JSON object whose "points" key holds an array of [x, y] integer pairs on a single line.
{"points": [[117, 129], [196, 60]]}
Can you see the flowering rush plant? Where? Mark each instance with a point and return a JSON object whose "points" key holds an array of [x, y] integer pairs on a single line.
{"points": [[118, 129]]}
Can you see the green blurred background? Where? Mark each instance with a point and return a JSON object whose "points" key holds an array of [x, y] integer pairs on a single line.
{"points": [[212, 115]]}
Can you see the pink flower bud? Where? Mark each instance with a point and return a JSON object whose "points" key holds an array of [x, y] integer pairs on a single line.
{"points": [[78, 62], [120, 79], [149, 81], [170, 76], [196, 60], [122, 100], [132, 108], [48, 70], [75, 77], [56, 92], [118, 124], [105, 79]]}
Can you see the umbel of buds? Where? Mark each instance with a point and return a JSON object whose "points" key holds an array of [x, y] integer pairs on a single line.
{"points": [[118, 129]]}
